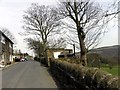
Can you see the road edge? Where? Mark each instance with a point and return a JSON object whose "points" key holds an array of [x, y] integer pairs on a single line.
{"points": [[9, 65]]}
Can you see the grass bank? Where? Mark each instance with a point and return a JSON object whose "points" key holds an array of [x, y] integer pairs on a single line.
{"points": [[114, 70]]}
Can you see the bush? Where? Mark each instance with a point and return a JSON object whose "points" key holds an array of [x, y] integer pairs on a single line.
{"points": [[61, 56], [43, 60], [9, 62], [70, 55], [17, 60]]}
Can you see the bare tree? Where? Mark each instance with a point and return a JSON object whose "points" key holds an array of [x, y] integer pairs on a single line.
{"points": [[42, 21], [57, 43], [35, 45], [113, 8], [85, 19], [109, 12]]}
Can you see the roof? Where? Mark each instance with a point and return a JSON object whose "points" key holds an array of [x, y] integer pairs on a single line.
{"points": [[59, 49], [68, 49], [55, 48], [6, 37]]}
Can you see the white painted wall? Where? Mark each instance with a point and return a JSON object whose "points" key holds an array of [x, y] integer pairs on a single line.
{"points": [[11, 58], [56, 54]]}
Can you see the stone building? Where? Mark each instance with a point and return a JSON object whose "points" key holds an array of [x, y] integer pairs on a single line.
{"points": [[54, 52], [6, 49]]}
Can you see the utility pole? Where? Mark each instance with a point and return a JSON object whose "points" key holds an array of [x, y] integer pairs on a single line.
{"points": [[74, 48]]}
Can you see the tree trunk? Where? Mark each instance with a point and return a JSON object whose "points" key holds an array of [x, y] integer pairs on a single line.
{"points": [[83, 53], [46, 58], [45, 53], [81, 37]]}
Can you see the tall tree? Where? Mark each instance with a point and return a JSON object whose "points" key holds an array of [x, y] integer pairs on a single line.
{"points": [[38, 47], [35, 45], [41, 21], [57, 43], [87, 20]]}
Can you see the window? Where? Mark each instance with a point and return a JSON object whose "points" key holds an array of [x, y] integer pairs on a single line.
{"points": [[2, 39], [3, 56], [10, 45]]}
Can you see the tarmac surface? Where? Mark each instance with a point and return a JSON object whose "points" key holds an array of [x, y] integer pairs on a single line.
{"points": [[27, 74]]}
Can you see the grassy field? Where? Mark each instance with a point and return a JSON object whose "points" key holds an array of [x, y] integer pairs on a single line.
{"points": [[113, 71]]}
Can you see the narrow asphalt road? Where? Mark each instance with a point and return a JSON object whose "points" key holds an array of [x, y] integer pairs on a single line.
{"points": [[28, 74]]}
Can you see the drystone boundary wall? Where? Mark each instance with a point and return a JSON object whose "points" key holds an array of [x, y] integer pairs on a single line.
{"points": [[76, 76]]}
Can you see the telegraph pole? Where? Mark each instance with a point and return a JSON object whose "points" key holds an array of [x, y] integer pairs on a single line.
{"points": [[74, 48]]}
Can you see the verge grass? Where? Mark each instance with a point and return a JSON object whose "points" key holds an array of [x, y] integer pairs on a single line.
{"points": [[114, 70]]}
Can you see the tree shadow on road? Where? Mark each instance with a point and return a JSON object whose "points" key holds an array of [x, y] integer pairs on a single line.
{"points": [[59, 85]]}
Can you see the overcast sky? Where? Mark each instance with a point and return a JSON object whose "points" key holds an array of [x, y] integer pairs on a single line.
{"points": [[11, 12]]}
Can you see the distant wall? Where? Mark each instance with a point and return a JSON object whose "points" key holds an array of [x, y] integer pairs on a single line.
{"points": [[76, 76]]}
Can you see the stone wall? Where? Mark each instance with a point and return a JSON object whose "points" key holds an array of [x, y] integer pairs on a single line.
{"points": [[76, 76]]}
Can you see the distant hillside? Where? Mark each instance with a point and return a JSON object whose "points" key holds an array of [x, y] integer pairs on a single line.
{"points": [[107, 52], [110, 52]]}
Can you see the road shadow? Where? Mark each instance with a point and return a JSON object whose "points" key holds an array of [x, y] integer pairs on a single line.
{"points": [[59, 85]]}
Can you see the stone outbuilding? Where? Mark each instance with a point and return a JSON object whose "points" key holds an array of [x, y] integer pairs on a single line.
{"points": [[6, 49]]}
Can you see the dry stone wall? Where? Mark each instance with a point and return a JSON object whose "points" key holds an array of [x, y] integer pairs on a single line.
{"points": [[76, 76]]}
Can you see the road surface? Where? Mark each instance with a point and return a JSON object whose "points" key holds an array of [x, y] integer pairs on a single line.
{"points": [[28, 74]]}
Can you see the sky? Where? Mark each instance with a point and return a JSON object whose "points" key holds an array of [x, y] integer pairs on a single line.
{"points": [[11, 12]]}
